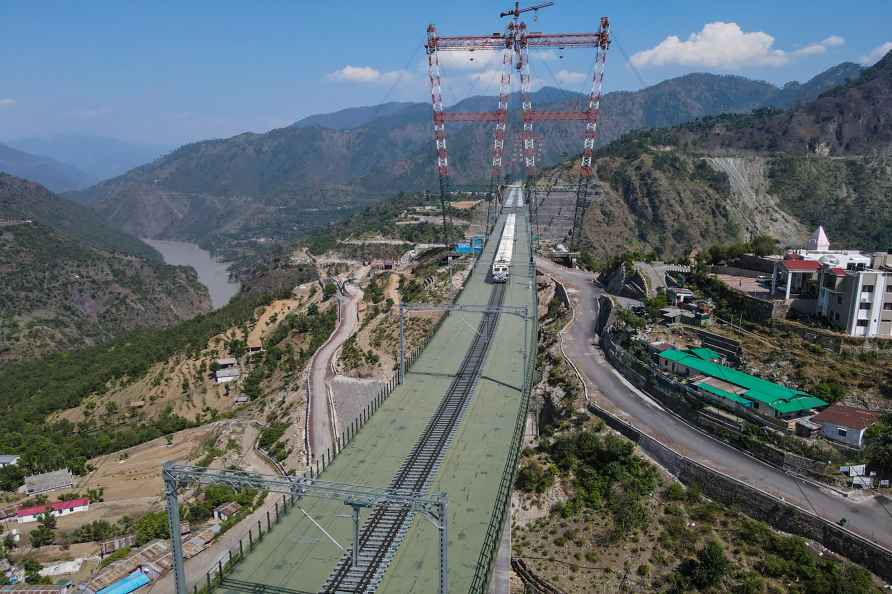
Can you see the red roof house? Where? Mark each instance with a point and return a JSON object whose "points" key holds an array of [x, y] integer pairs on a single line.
{"points": [[59, 508]]}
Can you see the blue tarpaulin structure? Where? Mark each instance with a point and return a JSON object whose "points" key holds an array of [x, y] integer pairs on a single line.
{"points": [[134, 581]]}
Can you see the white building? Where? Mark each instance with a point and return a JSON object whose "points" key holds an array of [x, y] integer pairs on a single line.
{"points": [[8, 460], [845, 424], [224, 376], [60, 508], [857, 302]]}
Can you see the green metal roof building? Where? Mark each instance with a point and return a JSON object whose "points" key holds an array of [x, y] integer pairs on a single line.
{"points": [[755, 393]]}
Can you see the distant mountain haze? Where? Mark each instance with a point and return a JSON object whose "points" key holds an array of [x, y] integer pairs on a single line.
{"points": [[277, 184], [57, 176], [97, 156]]}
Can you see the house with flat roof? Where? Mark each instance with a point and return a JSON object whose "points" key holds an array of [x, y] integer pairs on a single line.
{"points": [[48, 481], [845, 424], [736, 389], [8, 460], [229, 374]]}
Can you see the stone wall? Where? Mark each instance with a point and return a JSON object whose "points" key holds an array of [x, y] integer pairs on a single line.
{"points": [[756, 503]]}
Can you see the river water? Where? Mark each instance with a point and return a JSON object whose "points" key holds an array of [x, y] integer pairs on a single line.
{"points": [[212, 273]]}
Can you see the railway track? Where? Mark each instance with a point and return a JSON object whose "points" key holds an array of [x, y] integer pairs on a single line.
{"points": [[386, 526]]}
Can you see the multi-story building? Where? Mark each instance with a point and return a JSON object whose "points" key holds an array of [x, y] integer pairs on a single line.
{"points": [[857, 302]]}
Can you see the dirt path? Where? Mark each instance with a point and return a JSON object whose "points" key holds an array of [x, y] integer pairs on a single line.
{"points": [[391, 291]]}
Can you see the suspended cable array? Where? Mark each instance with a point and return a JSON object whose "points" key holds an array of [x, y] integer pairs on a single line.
{"points": [[514, 44]]}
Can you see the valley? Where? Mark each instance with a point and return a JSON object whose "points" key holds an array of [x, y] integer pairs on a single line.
{"points": [[676, 382]]}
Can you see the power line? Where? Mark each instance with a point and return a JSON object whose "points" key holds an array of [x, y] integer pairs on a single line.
{"points": [[630, 64]]}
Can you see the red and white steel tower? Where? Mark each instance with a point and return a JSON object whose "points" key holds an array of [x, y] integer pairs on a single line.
{"points": [[515, 44]]}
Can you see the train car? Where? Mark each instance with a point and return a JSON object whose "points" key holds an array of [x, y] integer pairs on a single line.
{"points": [[501, 266]]}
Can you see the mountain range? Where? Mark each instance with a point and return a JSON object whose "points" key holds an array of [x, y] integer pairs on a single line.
{"points": [[99, 157], [729, 177], [227, 193], [67, 279], [53, 174]]}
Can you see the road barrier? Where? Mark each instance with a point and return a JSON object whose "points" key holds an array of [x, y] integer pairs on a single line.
{"points": [[754, 502]]}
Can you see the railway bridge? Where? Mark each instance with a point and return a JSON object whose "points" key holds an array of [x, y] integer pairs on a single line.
{"points": [[453, 426]]}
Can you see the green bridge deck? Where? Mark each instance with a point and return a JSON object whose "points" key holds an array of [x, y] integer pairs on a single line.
{"points": [[296, 555]]}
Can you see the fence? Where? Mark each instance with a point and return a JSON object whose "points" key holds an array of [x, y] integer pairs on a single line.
{"points": [[501, 507], [216, 575], [227, 562]]}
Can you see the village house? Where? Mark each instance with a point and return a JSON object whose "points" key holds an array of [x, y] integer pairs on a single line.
{"points": [[59, 508], [735, 389], [845, 424], [225, 511]]}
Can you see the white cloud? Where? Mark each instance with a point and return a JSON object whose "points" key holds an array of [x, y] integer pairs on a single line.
{"points": [[726, 45], [364, 74], [876, 53], [7, 103], [488, 79], [567, 77], [91, 112], [814, 49], [468, 60]]}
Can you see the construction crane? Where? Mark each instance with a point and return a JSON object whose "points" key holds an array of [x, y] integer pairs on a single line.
{"points": [[515, 43]]}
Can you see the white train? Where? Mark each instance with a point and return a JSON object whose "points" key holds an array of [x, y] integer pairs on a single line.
{"points": [[501, 266]]}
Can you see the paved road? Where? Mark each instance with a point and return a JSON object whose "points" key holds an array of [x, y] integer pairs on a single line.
{"points": [[866, 516], [321, 421]]}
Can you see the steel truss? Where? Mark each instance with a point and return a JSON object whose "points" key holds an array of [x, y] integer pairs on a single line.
{"points": [[357, 497], [515, 43]]}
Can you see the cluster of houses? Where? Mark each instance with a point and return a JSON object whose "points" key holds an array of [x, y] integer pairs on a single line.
{"points": [[704, 371], [849, 290], [684, 308]]}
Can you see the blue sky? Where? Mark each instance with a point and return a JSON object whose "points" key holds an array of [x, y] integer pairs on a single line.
{"points": [[168, 72]]}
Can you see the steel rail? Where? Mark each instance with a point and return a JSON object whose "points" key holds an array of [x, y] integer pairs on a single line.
{"points": [[387, 524]]}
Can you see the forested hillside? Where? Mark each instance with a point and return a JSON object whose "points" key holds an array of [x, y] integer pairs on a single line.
{"points": [[33, 390], [67, 280]]}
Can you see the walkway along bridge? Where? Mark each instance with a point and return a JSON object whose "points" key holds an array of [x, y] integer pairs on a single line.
{"points": [[452, 425]]}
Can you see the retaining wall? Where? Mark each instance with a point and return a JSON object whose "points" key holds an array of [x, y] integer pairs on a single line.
{"points": [[754, 502]]}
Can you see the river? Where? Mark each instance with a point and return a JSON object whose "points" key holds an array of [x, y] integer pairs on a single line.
{"points": [[212, 273]]}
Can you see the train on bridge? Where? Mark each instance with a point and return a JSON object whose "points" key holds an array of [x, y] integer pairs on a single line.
{"points": [[501, 265]]}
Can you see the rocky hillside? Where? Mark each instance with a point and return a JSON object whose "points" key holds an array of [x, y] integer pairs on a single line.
{"points": [[253, 187], [65, 281], [730, 177]]}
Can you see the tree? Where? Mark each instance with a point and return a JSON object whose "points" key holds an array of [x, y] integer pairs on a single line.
{"points": [[879, 446], [710, 567], [41, 536], [47, 519], [151, 526], [763, 245]]}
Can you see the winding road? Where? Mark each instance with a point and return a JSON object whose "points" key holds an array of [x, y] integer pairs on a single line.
{"points": [[866, 515], [322, 422]]}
